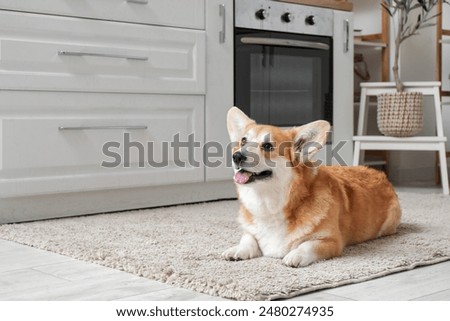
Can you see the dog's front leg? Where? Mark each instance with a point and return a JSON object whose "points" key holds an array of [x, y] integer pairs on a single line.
{"points": [[311, 251], [248, 248]]}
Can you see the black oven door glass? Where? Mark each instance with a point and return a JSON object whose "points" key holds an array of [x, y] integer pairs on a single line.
{"points": [[283, 79]]}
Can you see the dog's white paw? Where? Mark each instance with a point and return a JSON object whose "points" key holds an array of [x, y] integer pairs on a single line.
{"points": [[247, 249], [237, 253], [299, 257]]}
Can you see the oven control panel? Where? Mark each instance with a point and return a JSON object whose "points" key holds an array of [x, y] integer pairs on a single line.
{"points": [[284, 17]]}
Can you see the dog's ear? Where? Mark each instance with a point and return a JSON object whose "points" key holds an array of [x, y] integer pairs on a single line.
{"points": [[309, 139], [236, 123]]}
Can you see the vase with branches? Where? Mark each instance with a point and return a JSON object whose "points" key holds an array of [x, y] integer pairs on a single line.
{"points": [[401, 114]]}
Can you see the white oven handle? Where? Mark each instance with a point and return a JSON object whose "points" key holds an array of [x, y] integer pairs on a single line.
{"points": [[284, 43]]}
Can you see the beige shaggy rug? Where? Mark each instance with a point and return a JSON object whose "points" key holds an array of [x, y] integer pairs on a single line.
{"points": [[182, 246]]}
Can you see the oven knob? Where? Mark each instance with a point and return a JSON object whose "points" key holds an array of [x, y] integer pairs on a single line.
{"points": [[261, 14], [286, 17], [310, 20]]}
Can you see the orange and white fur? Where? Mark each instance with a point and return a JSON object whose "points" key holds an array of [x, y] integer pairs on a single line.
{"points": [[297, 212]]}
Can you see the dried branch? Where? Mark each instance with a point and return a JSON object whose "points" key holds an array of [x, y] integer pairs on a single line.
{"points": [[407, 27]]}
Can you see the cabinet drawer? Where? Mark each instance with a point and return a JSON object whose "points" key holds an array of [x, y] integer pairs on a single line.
{"points": [[180, 13], [41, 52], [60, 149]]}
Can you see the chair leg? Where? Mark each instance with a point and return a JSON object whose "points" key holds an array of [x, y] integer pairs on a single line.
{"points": [[443, 168]]}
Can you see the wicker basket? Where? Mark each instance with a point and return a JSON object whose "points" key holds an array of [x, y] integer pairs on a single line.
{"points": [[400, 114]]}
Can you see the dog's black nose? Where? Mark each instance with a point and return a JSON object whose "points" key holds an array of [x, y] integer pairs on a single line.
{"points": [[238, 157]]}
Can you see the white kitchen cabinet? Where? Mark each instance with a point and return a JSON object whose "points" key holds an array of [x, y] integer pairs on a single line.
{"points": [[42, 52], [70, 142], [76, 76], [219, 98], [343, 86], [177, 13]]}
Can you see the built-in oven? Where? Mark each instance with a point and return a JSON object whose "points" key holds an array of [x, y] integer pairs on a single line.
{"points": [[283, 62]]}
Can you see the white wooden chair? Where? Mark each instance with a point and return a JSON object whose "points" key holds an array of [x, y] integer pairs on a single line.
{"points": [[426, 143]]}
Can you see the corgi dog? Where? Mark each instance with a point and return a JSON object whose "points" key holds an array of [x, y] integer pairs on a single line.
{"points": [[295, 211]]}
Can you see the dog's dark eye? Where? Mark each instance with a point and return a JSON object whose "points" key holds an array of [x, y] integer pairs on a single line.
{"points": [[267, 147], [243, 141]]}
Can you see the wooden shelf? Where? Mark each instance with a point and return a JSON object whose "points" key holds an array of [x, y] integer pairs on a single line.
{"points": [[333, 4], [445, 32], [372, 40], [358, 42]]}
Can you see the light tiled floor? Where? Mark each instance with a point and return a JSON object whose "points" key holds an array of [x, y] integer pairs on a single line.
{"points": [[30, 274]]}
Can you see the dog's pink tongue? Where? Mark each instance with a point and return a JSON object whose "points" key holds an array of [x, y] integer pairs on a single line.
{"points": [[242, 177]]}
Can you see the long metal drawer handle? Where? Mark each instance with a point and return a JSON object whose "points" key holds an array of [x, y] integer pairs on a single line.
{"points": [[284, 43], [98, 54], [347, 35], [222, 13], [138, 1], [101, 127]]}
